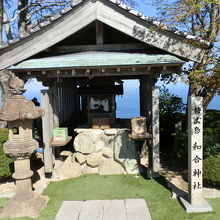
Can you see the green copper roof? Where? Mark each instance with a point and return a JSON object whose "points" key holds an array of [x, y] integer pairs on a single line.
{"points": [[96, 59]]}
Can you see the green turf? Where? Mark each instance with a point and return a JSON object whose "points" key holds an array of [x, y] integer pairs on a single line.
{"points": [[157, 196]]}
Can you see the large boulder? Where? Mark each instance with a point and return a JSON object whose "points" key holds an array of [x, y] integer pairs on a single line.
{"points": [[107, 152], [90, 170], [70, 169], [108, 140], [94, 159], [99, 146], [95, 135], [82, 143], [109, 166], [125, 152], [86, 141], [111, 131], [80, 158]]}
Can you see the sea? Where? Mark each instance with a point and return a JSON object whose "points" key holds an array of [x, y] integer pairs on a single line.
{"points": [[127, 105]]}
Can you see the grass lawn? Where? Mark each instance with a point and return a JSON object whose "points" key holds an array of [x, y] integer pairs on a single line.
{"points": [[87, 187]]}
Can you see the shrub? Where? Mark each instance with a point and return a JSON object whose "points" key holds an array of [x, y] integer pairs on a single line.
{"points": [[211, 133], [4, 160], [171, 112], [211, 171], [211, 136]]}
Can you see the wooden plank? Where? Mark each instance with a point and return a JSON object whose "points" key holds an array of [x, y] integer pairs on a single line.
{"points": [[114, 209], [69, 210], [137, 209], [56, 143], [104, 47], [47, 131], [139, 29], [91, 210]]}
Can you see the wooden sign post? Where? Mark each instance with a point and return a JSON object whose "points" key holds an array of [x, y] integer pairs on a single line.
{"points": [[195, 201], [195, 150]]}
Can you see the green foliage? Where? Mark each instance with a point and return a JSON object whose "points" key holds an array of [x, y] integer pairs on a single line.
{"points": [[3, 135], [182, 143], [201, 19], [211, 133], [169, 103], [211, 170], [4, 160], [171, 108], [211, 136]]}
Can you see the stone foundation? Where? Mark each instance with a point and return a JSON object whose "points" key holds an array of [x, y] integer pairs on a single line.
{"points": [[23, 207]]}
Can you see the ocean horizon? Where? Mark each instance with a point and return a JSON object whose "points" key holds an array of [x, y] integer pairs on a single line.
{"points": [[128, 103]]}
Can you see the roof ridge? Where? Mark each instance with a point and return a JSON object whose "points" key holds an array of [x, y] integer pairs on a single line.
{"points": [[128, 8]]}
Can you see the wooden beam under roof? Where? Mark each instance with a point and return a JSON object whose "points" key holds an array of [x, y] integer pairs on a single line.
{"points": [[103, 47], [97, 72]]}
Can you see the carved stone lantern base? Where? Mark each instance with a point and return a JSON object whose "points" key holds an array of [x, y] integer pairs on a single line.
{"points": [[25, 203], [28, 205]]}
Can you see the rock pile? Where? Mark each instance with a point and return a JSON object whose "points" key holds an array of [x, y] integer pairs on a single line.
{"points": [[104, 152]]}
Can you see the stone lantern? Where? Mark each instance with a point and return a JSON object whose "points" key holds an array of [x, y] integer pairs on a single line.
{"points": [[19, 113]]}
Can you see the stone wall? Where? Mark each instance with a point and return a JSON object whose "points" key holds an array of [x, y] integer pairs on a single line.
{"points": [[106, 151]]}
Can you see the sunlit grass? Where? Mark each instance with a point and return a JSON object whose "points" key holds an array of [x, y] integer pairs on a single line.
{"points": [[154, 191]]}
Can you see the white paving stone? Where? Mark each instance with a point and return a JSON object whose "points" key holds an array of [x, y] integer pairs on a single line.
{"points": [[137, 209], [69, 210], [129, 209], [114, 209], [91, 210]]}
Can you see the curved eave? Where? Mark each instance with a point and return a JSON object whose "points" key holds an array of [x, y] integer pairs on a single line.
{"points": [[94, 59]]}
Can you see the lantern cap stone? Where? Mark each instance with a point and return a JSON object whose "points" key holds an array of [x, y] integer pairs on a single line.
{"points": [[17, 107]]}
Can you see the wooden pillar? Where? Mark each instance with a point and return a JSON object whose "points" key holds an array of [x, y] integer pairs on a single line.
{"points": [[47, 127], [149, 107], [55, 106], [64, 100], [69, 99], [77, 98], [61, 101], [155, 129], [59, 98], [145, 98], [84, 104]]}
